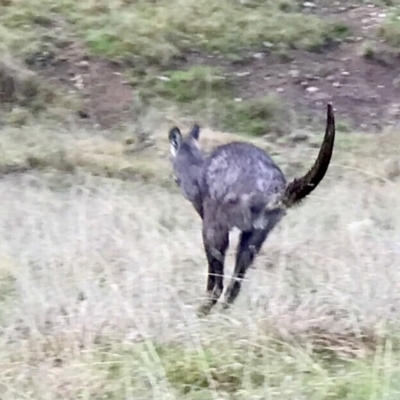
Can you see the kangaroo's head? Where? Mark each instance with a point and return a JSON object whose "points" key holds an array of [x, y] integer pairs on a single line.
{"points": [[187, 161]]}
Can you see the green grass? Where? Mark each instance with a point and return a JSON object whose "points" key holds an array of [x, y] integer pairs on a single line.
{"points": [[149, 37], [201, 90], [157, 32], [258, 117], [26, 97], [160, 31], [193, 84], [233, 371], [389, 30]]}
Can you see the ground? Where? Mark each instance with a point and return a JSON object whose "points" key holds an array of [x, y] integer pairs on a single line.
{"points": [[101, 262], [352, 65]]}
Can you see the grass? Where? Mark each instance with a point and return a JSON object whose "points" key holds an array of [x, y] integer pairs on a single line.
{"points": [[150, 38], [209, 93], [101, 262], [162, 30], [26, 97], [258, 117], [389, 30], [41, 149], [193, 84], [85, 308]]}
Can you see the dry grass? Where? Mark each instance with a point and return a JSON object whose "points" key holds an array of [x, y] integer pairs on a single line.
{"points": [[101, 260], [99, 283]]}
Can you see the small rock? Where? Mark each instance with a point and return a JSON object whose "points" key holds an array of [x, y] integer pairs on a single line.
{"points": [[321, 96], [312, 89], [83, 64], [309, 4], [268, 44], [299, 136], [163, 78], [83, 114], [280, 90], [258, 56], [358, 225], [238, 99], [345, 73], [394, 110], [294, 73], [78, 81], [243, 73], [392, 168], [336, 84]]}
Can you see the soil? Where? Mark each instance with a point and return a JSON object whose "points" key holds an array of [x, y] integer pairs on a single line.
{"points": [[365, 91]]}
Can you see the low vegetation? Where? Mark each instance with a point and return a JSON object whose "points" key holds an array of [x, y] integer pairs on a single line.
{"points": [[147, 38], [101, 264], [85, 307], [165, 29]]}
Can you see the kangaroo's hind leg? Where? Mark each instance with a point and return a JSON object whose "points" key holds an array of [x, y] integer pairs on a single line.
{"points": [[216, 242], [250, 243]]}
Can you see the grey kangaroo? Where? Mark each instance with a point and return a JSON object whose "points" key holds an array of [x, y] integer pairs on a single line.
{"points": [[239, 185]]}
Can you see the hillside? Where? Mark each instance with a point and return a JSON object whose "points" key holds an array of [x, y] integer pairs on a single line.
{"points": [[101, 260]]}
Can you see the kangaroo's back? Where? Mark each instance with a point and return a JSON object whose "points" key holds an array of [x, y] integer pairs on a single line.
{"points": [[240, 168], [240, 180]]}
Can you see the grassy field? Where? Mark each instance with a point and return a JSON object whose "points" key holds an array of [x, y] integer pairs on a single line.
{"points": [[100, 279], [101, 260]]}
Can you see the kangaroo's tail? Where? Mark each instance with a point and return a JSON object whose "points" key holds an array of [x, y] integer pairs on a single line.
{"points": [[299, 188]]}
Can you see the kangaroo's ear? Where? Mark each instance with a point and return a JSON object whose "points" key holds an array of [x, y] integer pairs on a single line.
{"points": [[175, 140], [195, 132]]}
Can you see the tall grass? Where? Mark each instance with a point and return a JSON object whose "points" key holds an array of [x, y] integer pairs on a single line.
{"points": [[99, 283]]}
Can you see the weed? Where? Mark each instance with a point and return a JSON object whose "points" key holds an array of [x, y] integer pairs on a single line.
{"points": [[196, 83], [258, 116], [389, 30]]}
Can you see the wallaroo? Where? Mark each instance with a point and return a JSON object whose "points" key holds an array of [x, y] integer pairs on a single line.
{"points": [[239, 185]]}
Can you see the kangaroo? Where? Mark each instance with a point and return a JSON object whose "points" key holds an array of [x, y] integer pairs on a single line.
{"points": [[238, 185]]}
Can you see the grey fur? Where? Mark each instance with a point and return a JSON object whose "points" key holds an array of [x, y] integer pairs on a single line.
{"points": [[238, 185]]}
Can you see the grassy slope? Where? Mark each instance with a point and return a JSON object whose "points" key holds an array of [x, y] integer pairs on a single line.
{"points": [[85, 311], [88, 313], [150, 38], [135, 30]]}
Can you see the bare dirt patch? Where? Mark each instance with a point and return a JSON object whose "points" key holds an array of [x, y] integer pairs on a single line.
{"points": [[360, 76], [107, 98]]}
